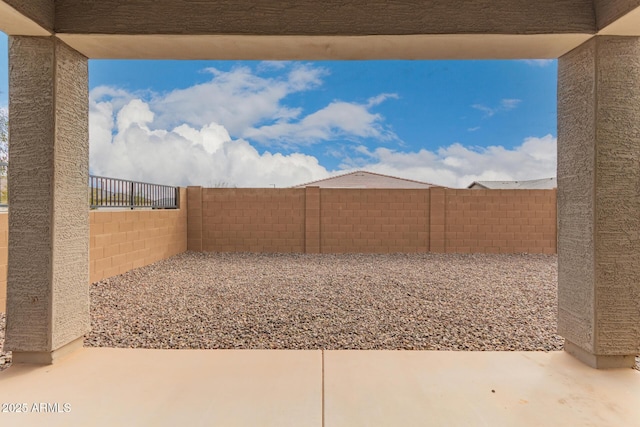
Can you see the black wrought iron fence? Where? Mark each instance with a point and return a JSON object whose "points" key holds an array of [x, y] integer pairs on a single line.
{"points": [[121, 193], [114, 192]]}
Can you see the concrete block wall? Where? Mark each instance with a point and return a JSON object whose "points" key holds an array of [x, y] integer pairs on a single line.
{"points": [[312, 220], [251, 220], [124, 240], [500, 221], [315, 220], [437, 220], [120, 240], [374, 220], [194, 219]]}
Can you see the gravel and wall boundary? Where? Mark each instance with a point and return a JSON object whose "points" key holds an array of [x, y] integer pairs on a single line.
{"points": [[350, 301]]}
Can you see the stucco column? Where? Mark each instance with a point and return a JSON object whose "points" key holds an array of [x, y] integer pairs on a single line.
{"points": [[48, 269], [599, 201]]}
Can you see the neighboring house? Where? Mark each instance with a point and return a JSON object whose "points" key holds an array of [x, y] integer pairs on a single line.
{"points": [[364, 179], [533, 184]]}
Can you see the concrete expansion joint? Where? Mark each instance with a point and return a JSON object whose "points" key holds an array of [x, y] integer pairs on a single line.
{"points": [[322, 380]]}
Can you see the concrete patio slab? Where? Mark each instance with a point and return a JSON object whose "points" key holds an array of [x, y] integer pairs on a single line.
{"points": [[105, 387], [136, 387], [393, 388]]}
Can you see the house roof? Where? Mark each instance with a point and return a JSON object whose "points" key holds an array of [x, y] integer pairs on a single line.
{"points": [[533, 184], [364, 179]]}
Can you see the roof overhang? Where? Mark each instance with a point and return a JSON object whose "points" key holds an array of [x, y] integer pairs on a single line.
{"points": [[333, 29], [15, 23], [454, 46]]}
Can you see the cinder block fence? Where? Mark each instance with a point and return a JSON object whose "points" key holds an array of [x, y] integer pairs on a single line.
{"points": [[315, 220], [319, 220]]}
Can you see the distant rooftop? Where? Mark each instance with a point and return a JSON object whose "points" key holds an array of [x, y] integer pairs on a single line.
{"points": [[364, 179], [533, 184]]}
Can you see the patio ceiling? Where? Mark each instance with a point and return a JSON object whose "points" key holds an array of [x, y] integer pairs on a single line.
{"points": [[333, 29]]}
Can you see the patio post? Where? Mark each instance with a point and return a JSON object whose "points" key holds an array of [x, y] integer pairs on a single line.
{"points": [[599, 201], [48, 266]]}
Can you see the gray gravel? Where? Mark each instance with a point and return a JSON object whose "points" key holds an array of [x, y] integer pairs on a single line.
{"points": [[294, 301], [355, 301]]}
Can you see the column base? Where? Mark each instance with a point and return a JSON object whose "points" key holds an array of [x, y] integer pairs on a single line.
{"points": [[599, 361], [46, 357]]}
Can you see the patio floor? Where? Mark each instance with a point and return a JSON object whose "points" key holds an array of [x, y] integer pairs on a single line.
{"points": [[106, 386]]}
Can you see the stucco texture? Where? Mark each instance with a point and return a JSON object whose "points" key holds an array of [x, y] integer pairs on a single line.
{"points": [[607, 11], [40, 11], [48, 296], [598, 197], [331, 17]]}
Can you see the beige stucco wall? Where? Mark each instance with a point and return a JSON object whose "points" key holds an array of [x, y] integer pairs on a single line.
{"points": [[48, 302], [332, 17], [337, 29], [69, 221], [598, 200], [607, 11], [576, 170], [618, 196], [40, 11]]}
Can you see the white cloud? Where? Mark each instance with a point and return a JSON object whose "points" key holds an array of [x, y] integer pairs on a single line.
{"points": [[506, 104], [337, 120], [236, 99], [203, 135], [509, 104], [185, 155], [250, 106], [459, 166], [538, 62], [200, 135], [272, 65], [377, 100], [488, 112], [123, 145]]}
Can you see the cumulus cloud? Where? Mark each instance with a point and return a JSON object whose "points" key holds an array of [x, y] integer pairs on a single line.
{"points": [[203, 134], [210, 133], [337, 120], [185, 155], [458, 166], [236, 99]]}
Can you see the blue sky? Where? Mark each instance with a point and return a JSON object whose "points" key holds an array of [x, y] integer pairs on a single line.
{"points": [[253, 123]]}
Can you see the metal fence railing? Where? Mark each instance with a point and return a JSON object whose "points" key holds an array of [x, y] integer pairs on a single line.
{"points": [[114, 192], [121, 193]]}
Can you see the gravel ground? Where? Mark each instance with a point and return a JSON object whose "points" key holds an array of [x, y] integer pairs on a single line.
{"points": [[5, 357], [293, 301]]}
